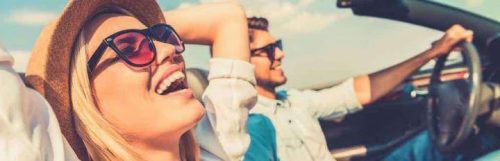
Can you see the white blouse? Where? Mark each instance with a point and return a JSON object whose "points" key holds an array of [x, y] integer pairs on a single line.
{"points": [[222, 133], [29, 130]]}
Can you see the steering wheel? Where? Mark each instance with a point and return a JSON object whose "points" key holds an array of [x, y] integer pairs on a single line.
{"points": [[453, 105]]}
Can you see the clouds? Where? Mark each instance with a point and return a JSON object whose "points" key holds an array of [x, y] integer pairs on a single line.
{"points": [[30, 17], [288, 18], [474, 3], [306, 2], [306, 22], [185, 5], [273, 10], [292, 18]]}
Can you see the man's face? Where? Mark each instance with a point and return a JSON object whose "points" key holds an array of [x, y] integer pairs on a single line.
{"points": [[267, 72]]}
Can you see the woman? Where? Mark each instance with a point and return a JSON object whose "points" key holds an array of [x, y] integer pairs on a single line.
{"points": [[114, 74]]}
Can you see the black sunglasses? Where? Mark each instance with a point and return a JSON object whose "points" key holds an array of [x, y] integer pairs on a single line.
{"points": [[268, 49], [136, 47]]}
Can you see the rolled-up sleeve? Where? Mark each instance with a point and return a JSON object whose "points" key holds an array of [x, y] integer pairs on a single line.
{"points": [[329, 103], [228, 99]]}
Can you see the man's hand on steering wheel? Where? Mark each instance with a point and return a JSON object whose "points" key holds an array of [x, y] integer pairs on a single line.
{"points": [[453, 105], [450, 39]]}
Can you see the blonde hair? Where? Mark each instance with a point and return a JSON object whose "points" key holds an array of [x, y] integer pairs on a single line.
{"points": [[101, 139]]}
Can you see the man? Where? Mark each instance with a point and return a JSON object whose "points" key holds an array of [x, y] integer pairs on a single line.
{"points": [[295, 114]]}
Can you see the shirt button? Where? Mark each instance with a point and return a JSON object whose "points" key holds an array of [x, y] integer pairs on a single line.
{"points": [[289, 121]]}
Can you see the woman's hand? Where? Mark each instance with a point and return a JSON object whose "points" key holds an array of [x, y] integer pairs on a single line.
{"points": [[450, 40], [221, 25]]}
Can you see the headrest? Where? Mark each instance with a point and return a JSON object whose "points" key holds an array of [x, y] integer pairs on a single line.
{"points": [[197, 80]]}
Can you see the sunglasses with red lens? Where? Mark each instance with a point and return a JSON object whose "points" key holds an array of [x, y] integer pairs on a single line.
{"points": [[136, 47], [268, 49]]}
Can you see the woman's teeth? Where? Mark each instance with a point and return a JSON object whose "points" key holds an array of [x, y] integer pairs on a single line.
{"points": [[168, 81]]}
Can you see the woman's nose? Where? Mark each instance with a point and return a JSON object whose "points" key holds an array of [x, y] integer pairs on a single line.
{"points": [[164, 52]]}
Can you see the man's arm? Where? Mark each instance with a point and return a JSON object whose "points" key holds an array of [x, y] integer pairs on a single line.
{"points": [[371, 87]]}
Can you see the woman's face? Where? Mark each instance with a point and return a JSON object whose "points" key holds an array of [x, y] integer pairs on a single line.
{"points": [[128, 96]]}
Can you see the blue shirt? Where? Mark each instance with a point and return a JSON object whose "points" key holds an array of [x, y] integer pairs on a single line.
{"points": [[262, 139]]}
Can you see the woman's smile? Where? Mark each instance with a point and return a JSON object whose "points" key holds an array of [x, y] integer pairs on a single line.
{"points": [[170, 80]]}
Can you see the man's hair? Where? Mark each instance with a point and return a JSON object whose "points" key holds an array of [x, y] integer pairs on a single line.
{"points": [[258, 23]]}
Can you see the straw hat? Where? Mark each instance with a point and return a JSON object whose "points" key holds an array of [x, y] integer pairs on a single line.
{"points": [[49, 67]]}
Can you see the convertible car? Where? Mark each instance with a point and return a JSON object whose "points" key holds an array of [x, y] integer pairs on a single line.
{"points": [[453, 100]]}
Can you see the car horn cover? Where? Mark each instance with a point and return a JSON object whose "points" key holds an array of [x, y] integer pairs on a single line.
{"points": [[453, 105]]}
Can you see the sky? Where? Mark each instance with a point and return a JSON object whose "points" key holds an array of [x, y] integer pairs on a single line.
{"points": [[323, 44]]}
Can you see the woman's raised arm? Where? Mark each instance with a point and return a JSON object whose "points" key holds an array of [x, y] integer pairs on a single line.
{"points": [[221, 25]]}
